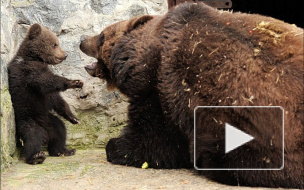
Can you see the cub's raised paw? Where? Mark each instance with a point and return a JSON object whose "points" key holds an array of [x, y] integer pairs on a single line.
{"points": [[76, 84], [74, 120], [37, 158]]}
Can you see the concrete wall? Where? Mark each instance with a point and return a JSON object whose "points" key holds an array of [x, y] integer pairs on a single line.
{"points": [[102, 113]]}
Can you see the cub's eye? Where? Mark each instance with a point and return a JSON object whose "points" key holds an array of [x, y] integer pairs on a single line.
{"points": [[55, 45]]}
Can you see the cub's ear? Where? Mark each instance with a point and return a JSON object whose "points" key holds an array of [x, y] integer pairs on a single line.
{"points": [[34, 31], [138, 21]]}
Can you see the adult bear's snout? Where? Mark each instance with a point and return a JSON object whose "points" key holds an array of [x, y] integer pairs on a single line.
{"points": [[83, 38]]}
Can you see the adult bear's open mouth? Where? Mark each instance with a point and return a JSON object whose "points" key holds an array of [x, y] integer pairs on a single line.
{"points": [[91, 69]]}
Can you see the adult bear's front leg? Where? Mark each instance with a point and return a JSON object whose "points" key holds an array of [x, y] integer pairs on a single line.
{"points": [[158, 153], [148, 138]]}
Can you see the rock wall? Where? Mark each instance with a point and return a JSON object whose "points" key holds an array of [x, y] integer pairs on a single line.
{"points": [[101, 113]]}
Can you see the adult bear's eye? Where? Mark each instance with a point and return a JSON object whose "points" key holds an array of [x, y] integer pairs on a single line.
{"points": [[55, 45]]}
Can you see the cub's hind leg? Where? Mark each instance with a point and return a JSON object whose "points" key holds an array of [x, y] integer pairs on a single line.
{"points": [[32, 137], [57, 138]]}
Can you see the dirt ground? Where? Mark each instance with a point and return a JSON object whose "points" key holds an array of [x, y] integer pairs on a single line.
{"points": [[89, 170]]}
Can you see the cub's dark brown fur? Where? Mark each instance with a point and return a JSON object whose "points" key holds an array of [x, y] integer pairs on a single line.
{"points": [[198, 56], [35, 93]]}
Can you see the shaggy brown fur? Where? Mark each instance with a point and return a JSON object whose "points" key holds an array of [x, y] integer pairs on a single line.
{"points": [[35, 93], [198, 56], [172, 3], [291, 11]]}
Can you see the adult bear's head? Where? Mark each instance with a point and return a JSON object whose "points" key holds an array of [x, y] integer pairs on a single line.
{"points": [[101, 46]]}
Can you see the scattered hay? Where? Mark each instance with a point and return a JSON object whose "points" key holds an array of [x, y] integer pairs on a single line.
{"points": [[278, 78], [195, 45], [213, 51], [250, 99], [267, 160], [191, 37], [275, 32], [219, 78], [298, 34], [256, 52], [273, 69]]}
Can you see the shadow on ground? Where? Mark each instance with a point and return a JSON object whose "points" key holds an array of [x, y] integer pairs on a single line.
{"points": [[88, 169]]}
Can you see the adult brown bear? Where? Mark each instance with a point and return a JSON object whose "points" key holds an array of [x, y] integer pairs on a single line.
{"points": [[198, 56]]}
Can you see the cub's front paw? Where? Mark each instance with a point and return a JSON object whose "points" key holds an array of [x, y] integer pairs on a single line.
{"points": [[71, 118], [37, 158], [75, 84], [64, 152], [69, 152], [74, 120]]}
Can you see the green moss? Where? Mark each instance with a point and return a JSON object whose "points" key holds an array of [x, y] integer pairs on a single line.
{"points": [[8, 142], [79, 166], [94, 131], [86, 169], [52, 168], [6, 104]]}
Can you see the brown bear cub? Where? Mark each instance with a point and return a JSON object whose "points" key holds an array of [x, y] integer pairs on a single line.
{"points": [[195, 56], [35, 91]]}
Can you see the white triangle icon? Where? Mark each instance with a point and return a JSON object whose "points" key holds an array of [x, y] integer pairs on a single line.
{"points": [[235, 138]]}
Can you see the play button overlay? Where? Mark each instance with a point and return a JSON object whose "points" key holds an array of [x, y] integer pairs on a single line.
{"points": [[238, 138], [235, 138]]}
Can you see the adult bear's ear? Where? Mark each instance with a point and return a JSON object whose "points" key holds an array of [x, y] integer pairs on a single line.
{"points": [[138, 21], [34, 31]]}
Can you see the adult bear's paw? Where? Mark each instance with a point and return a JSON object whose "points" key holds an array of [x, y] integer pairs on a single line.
{"points": [[120, 151]]}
